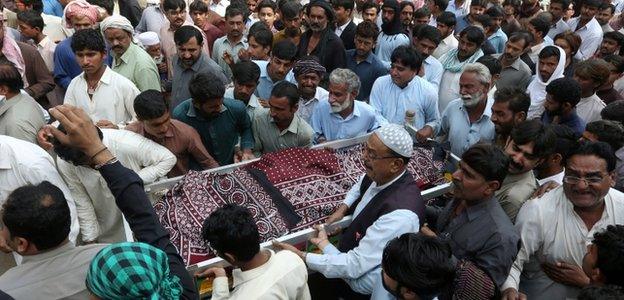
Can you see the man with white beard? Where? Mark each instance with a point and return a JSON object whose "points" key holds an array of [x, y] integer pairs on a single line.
{"points": [[341, 116], [466, 121]]}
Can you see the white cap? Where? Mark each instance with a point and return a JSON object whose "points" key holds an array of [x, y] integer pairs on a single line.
{"points": [[149, 38], [396, 138]]}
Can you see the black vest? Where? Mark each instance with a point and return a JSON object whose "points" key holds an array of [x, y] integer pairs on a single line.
{"points": [[402, 194]]}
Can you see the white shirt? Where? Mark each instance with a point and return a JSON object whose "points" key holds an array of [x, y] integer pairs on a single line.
{"points": [[283, 276], [551, 231], [558, 178], [97, 212], [361, 266], [220, 7], [589, 108], [113, 99], [448, 43], [591, 36], [23, 163], [46, 48]]}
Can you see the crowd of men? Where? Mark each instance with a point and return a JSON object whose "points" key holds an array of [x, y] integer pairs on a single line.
{"points": [[99, 98]]}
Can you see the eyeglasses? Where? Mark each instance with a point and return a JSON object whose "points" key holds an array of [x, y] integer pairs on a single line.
{"points": [[367, 154], [569, 179]]}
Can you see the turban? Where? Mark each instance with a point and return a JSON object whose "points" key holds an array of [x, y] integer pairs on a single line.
{"points": [[80, 8], [149, 38], [396, 138], [305, 66], [132, 271]]}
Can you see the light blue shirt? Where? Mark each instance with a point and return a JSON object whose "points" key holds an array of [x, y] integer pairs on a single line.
{"points": [[419, 96], [265, 83], [498, 40], [361, 266], [386, 45], [333, 127], [462, 134], [433, 71]]}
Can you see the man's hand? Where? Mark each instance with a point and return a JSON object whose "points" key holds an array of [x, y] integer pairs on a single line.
{"points": [[513, 294], [338, 214], [44, 136], [425, 230], [106, 124], [283, 246], [211, 272], [321, 240], [566, 273], [424, 133], [545, 188]]}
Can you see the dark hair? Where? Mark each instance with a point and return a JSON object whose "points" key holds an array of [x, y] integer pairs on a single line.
{"points": [[484, 19], [610, 132], [233, 11], [541, 25], [420, 263], [487, 160], [535, 131], [38, 213], [206, 86], [428, 32], [346, 4], [149, 105], [526, 37], [616, 61], [263, 36], [245, 72], [601, 292], [185, 33], [610, 246], [567, 140], [592, 3], [482, 3], [447, 18], [70, 154], [493, 64], [31, 18], [198, 5], [370, 4], [266, 3], [285, 49], [617, 36], [549, 51], [288, 90], [518, 100], [495, 12], [232, 229], [88, 39], [442, 4], [291, 9], [565, 90], [11, 77], [599, 149], [37, 5], [108, 5], [367, 29], [474, 34], [564, 3], [407, 57], [614, 111], [173, 5]]}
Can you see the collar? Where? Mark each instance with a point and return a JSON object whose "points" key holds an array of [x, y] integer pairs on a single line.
{"points": [[49, 254], [240, 277]]}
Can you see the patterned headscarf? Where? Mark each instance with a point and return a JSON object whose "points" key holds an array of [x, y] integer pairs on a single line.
{"points": [[78, 8], [308, 65], [132, 271]]}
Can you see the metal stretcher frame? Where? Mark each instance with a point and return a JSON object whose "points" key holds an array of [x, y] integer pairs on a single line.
{"points": [[302, 235]]}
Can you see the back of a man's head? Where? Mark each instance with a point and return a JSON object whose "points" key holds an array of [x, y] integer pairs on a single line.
{"points": [[232, 233], [37, 214]]}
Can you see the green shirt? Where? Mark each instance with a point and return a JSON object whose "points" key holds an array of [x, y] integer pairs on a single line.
{"points": [[138, 66], [270, 139], [219, 134]]}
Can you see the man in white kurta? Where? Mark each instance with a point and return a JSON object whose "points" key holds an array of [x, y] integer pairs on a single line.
{"points": [[100, 219]]}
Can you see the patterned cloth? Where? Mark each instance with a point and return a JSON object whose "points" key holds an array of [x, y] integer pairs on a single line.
{"points": [[132, 271], [285, 191]]}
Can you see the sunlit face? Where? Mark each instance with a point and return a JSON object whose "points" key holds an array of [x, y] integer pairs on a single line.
{"points": [[267, 16], [189, 52], [523, 159], [401, 74], [158, 127], [118, 39], [547, 67], [595, 182]]}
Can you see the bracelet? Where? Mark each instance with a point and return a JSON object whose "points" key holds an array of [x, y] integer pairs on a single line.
{"points": [[96, 153]]}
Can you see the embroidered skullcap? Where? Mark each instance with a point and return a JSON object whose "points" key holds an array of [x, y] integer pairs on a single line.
{"points": [[149, 38], [80, 8], [132, 271], [308, 65], [118, 22], [396, 138]]}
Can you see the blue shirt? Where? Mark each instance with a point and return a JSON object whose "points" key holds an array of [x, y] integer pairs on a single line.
{"points": [[573, 121], [53, 8], [419, 96], [498, 40], [265, 83], [433, 71], [332, 126], [367, 70], [455, 123], [220, 134]]}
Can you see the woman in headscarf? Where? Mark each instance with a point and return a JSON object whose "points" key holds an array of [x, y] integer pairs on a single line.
{"points": [[550, 66], [392, 34]]}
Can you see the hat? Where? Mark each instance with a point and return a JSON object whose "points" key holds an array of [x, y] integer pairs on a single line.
{"points": [[396, 138], [149, 38]]}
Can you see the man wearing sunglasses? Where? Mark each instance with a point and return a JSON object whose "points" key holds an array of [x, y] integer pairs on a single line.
{"points": [[556, 228]]}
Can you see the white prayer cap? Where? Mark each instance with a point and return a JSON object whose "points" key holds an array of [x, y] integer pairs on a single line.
{"points": [[149, 38], [396, 138]]}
